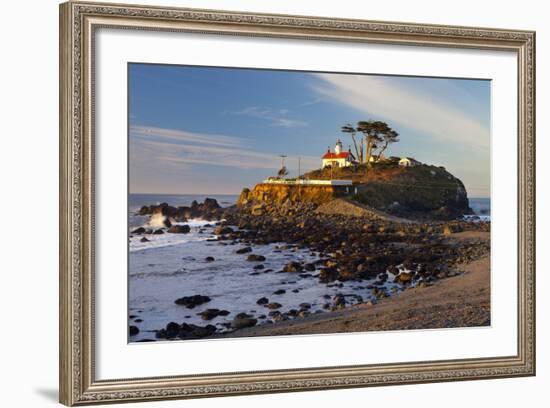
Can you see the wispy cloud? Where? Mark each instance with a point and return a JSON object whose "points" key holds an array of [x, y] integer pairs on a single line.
{"points": [[274, 117], [168, 147], [381, 98], [183, 136]]}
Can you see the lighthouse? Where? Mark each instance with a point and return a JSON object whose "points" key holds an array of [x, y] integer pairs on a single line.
{"points": [[338, 158], [338, 147]]}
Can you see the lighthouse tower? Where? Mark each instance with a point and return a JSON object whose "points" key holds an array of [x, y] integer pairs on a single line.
{"points": [[338, 148]]}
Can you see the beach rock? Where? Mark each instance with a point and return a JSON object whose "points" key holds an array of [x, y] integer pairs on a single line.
{"points": [[293, 267], [244, 250], [255, 258], [274, 305], [172, 329], [139, 230], [197, 332], [240, 322], [259, 267], [192, 301], [403, 278], [279, 292], [222, 230], [339, 300], [328, 275], [209, 314], [179, 229], [158, 232], [144, 239], [309, 267], [262, 301], [133, 330], [209, 259]]}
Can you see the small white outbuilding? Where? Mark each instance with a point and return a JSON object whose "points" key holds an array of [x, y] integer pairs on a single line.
{"points": [[408, 162]]}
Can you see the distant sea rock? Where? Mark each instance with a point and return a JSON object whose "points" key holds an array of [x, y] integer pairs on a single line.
{"points": [[207, 210]]}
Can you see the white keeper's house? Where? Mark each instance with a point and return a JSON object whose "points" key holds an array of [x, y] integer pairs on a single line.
{"points": [[338, 158]]}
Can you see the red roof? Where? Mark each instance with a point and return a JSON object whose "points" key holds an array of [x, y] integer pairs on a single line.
{"points": [[342, 155]]}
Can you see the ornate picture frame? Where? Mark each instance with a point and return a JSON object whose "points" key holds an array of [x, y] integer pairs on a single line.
{"points": [[78, 24]]}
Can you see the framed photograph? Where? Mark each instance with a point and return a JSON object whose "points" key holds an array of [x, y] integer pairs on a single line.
{"points": [[256, 203]]}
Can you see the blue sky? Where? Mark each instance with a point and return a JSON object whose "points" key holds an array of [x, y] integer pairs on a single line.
{"points": [[216, 130]]}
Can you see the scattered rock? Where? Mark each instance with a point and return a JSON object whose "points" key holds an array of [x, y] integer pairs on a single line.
{"points": [[244, 250], [262, 301], [209, 314], [222, 230], [179, 229], [255, 258], [240, 321], [279, 292], [293, 267], [133, 330], [192, 301], [274, 305]]}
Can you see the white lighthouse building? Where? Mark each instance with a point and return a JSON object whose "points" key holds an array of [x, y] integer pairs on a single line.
{"points": [[338, 158]]}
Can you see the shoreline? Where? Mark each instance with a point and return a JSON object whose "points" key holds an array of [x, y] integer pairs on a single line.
{"points": [[355, 246], [455, 302]]}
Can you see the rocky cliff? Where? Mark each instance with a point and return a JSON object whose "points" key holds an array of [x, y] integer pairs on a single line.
{"points": [[279, 193], [420, 191]]}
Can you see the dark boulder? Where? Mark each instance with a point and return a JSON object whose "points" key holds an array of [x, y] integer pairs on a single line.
{"points": [[192, 301], [180, 229], [240, 321], [293, 267], [262, 301], [222, 230], [133, 330], [255, 258]]}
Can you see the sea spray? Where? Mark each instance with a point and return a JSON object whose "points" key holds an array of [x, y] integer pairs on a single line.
{"points": [[158, 220]]}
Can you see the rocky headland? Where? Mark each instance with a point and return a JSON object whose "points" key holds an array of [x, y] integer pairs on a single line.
{"points": [[404, 236]]}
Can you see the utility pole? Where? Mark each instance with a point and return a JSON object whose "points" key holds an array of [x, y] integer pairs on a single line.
{"points": [[299, 174]]}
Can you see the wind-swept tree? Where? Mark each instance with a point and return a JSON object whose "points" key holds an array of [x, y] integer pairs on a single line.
{"points": [[373, 135], [358, 147], [389, 137], [377, 136]]}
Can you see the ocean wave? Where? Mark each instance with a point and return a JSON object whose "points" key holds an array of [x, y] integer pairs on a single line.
{"points": [[169, 239]]}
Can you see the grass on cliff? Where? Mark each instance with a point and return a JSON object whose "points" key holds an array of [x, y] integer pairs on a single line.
{"points": [[422, 187]]}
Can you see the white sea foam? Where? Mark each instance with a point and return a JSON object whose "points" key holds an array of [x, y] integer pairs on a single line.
{"points": [[169, 239]]}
